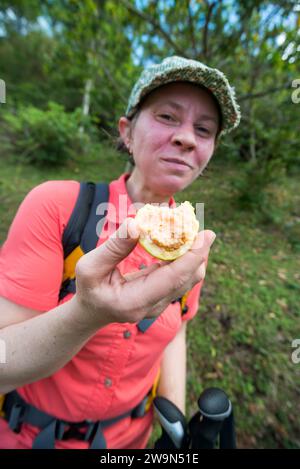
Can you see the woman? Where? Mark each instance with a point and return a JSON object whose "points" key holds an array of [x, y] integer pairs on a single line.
{"points": [[85, 359]]}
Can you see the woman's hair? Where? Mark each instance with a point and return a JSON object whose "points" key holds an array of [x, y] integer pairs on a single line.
{"points": [[123, 149]]}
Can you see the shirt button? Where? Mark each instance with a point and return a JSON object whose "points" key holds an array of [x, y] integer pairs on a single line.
{"points": [[127, 334], [107, 382], [142, 266]]}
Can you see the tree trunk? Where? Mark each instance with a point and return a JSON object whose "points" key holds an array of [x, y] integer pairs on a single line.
{"points": [[252, 142], [86, 100], [252, 146]]}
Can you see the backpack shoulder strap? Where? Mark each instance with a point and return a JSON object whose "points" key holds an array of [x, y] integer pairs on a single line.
{"points": [[144, 324], [96, 218], [83, 229], [77, 221]]}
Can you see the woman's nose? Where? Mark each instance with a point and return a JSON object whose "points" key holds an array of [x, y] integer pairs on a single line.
{"points": [[185, 137]]}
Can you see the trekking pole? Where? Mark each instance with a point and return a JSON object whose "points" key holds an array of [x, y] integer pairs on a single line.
{"points": [[214, 419], [173, 423]]}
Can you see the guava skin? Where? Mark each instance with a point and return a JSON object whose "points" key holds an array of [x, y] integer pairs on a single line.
{"points": [[161, 253]]}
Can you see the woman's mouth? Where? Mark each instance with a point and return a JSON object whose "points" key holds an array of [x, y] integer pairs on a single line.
{"points": [[177, 163]]}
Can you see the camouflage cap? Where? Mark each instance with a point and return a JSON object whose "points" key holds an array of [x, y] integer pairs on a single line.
{"points": [[181, 69]]}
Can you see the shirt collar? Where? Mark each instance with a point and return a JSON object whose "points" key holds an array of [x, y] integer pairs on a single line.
{"points": [[120, 204]]}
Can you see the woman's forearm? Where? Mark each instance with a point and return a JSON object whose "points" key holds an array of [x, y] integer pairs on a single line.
{"points": [[38, 347], [172, 383]]}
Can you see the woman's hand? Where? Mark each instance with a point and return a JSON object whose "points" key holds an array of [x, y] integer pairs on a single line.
{"points": [[105, 296]]}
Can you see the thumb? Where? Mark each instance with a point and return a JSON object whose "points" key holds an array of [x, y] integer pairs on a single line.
{"points": [[118, 246]]}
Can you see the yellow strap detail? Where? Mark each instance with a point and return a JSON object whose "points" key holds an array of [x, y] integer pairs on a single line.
{"points": [[70, 263], [2, 397], [153, 392], [183, 301]]}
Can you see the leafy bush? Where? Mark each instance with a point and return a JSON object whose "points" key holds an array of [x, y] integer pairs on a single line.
{"points": [[254, 189], [293, 234], [48, 136]]}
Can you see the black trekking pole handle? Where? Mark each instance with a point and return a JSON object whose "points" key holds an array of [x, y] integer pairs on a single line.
{"points": [[173, 424], [214, 419]]}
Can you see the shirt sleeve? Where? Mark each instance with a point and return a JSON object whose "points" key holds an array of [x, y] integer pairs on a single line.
{"points": [[31, 258]]}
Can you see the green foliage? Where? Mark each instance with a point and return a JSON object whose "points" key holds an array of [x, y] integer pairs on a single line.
{"points": [[293, 233], [255, 43], [48, 137], [252, 188]]}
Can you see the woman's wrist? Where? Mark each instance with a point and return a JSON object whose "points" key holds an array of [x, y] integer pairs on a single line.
{"points": [[81, 320]]}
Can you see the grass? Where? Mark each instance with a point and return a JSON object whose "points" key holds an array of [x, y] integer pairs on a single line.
{"points": [[249, 310]]}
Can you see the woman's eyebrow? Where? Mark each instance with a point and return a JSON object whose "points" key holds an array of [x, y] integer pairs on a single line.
{"points": [[173, 104], [179, 107]]}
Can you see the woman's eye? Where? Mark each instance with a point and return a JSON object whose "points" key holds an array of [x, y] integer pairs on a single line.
{"points": [[166, 117], [203, 130]]}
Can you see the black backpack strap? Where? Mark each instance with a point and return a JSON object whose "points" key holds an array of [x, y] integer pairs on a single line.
{"points": [[83, 228], [96, 218], [144, 324], [17, 412], [74, 229]]}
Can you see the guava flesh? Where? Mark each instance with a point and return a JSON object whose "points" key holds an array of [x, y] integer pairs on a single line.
{"points": [[167, 233]]}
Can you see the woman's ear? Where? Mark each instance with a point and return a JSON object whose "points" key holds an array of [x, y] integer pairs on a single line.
{"points": [[125, 130]]}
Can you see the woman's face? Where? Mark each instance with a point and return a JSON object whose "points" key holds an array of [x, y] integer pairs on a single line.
{"points": [[173, 137]]}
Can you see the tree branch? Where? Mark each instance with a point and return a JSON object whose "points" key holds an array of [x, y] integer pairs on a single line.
{"points": [[155, 25], [191, 27], [205, 31], [107, 72], [271, 15], [264, 93]]}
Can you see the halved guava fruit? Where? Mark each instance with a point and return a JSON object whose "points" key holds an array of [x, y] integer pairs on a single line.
{"points": [[167, 233]]}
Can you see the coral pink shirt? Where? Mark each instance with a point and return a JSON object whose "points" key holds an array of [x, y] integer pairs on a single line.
{"points": [[116, 368]]}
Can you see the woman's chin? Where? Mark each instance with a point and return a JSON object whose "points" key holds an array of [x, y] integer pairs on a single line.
{"points": [[169, 184]]}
